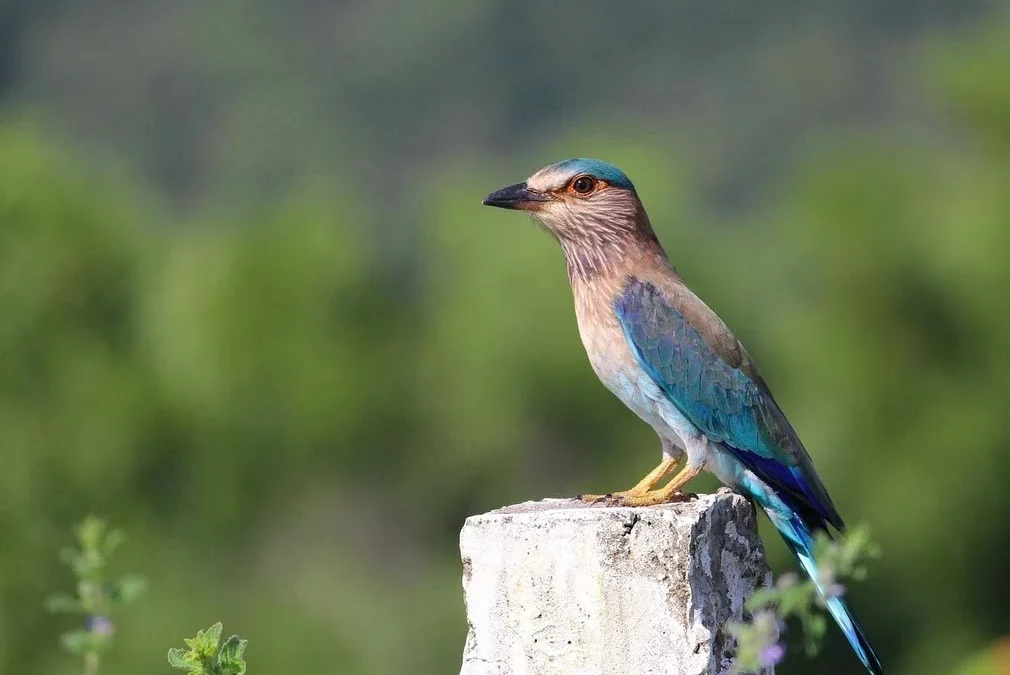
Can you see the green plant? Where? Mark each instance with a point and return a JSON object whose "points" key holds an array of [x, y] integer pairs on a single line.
{"points": [[208, 656], [758, 641], [97, 598]]}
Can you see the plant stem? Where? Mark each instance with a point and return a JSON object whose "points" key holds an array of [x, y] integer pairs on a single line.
{"points": [[91, 663]]}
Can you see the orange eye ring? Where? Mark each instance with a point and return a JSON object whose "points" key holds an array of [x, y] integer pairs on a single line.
{"points": [[583, 185]]}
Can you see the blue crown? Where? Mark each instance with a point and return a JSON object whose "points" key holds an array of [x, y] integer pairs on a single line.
{"points": [[598, 169]]}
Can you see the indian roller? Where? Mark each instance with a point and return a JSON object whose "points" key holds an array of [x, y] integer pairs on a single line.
{"points": [[669, 358]]}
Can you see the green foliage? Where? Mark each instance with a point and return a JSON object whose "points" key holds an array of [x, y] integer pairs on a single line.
{"points": [[993, 660], [98, 597], [265, 96], [291, 403], [839, 559], [206, 655]]}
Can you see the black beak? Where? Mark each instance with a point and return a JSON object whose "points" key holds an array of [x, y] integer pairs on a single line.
{"points": [[518, 196]]}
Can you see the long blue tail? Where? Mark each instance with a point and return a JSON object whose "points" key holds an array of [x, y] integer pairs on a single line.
{"points": [[799, 538]]}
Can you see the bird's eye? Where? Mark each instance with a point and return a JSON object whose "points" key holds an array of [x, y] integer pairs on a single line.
{"points": [[583, 185]]}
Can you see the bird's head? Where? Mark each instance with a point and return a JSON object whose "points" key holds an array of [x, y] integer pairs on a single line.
{"points": [[589, 205]]}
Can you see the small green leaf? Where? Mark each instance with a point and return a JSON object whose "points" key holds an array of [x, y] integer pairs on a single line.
{"points": [[90, 533], [818, 625], [85, 567], [113, 540], [232, 648], [796, 597], [127, 589], [177, 658], [229, 659], [62, 603], [814, 626], [761, 598], [214, 633], [76, 641]]}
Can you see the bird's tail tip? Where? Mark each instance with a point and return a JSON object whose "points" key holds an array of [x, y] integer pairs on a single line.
{"points": [[799, 538], [855, 635]]}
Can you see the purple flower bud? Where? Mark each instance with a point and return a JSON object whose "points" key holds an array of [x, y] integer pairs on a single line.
{"points": [[772, 655], [826, 575], [834, 591], [100, 625]]}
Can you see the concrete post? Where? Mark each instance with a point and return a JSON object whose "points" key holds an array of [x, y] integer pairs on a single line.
{"points": [[558, 587]]}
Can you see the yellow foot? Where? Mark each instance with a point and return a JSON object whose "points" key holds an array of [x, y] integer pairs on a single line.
{"points": [[652, 498], [641, 488], [636, 496]]}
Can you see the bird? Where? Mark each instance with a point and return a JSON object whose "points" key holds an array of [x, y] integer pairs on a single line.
{"points": [[669, 358]]}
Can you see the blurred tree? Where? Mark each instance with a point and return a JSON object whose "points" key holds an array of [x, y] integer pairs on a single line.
{"points": [[290, 403], [378, 91]]}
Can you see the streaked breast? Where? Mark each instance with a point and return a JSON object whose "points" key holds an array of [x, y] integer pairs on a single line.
{"points": [[609, 353]]}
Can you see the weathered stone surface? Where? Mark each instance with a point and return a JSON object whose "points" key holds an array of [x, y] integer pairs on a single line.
{"points": [[558, 587]]}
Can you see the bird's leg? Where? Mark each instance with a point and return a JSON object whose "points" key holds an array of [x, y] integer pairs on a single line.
{"points": [[651, 479], [669, 493], [643, 486]]}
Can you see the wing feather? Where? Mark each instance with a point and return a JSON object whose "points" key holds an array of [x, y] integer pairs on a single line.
{"points": [[706, 373]]}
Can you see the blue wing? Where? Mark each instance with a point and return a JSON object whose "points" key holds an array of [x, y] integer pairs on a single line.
{"points": [[704, 371]]}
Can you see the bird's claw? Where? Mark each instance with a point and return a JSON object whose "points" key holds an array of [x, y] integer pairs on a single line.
{"points": [[595, 499], [629, 498]]}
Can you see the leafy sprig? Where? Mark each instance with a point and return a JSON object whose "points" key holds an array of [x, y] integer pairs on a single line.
{"points": [[759, 643], [97, 598], [206, 655]]}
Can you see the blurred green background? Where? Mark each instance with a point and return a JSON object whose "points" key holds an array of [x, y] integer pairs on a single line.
{"points": [[252, 311]]}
